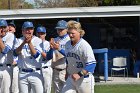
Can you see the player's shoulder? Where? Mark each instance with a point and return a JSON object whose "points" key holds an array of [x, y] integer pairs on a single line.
{"points": [[68, 42], [8, 34], [67, 38], [46, 42], [36, 39], [83, 41], [84, 44]]}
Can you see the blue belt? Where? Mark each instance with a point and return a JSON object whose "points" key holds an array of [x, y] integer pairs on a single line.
{"points": [[58, 69], [29, 70], [1, 65], [86, 76], [45, 67]]}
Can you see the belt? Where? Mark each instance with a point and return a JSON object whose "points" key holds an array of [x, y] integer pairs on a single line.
{"points": [[30, 70], [86, 76], [45, 67], [1, 65], [58, 69]]}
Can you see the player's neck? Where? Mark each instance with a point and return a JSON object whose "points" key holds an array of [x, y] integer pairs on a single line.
{"points": [[73, 43]]}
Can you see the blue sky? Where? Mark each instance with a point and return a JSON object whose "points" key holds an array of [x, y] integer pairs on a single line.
{"points": [[30, 1]]}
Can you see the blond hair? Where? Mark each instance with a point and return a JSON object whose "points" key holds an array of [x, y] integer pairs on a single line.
{"points": [[76, 25]]}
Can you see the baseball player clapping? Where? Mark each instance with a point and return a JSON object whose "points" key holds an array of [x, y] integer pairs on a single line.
{"points": [[28, 50], [59, 64], [6, 47]]}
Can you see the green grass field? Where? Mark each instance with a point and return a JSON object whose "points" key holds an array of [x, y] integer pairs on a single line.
{"points": [[124, 88]]}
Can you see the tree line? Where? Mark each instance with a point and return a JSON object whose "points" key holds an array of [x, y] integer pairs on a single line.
{"points": [[21, 4]]}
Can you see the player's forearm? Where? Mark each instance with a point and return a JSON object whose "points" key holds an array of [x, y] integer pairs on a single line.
{"points": [[18, 50], [49, 54], [82, 73], [43, 54], [2, 46], [32, 49]]}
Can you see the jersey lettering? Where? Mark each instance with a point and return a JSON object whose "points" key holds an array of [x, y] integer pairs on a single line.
{"points": [[69, 54]]}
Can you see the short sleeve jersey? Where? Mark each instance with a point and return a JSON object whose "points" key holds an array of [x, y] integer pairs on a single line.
{"points": [[6, 56], [25, 59], [78, 56], [45, 45]]}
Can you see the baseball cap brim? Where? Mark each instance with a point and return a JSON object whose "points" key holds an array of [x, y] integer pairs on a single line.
{"points": [[60, 28], [28, 27], [12, 24], [41, 31]]}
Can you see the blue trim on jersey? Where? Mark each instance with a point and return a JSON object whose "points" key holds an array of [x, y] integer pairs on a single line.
{"points": [[88, 63], [62, 51], [37, 54], [49, 54], [6, 49], [90, 68]]}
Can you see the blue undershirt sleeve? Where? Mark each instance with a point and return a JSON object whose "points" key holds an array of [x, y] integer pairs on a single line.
{"points": [[90, 68], [6, 49], [36, 55], [49, 54], [62, 51]]}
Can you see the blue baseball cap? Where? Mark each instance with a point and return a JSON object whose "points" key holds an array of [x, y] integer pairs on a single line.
{"points": [[27, 24], [62, 24], [3, 22], [41, 29], [12, 24]]}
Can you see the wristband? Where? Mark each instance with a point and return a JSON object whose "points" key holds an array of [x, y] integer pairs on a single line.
{"points": [[80, 73]]}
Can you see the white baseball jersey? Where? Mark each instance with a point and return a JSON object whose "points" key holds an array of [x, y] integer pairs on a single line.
{"points": [[45, 45], [8, 39], [62, 41], [78, 56], [25, 59], [6, 57]]}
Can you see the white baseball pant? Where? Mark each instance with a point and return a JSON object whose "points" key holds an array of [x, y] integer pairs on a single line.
{"points": [[83, 85], [47, 76], [58, 80], [30, 80], [15, 81], [5, 79]]}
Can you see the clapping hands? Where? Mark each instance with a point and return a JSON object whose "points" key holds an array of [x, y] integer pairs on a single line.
{"points": [[54, 45]]}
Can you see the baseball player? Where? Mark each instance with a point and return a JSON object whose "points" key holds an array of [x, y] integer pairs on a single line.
{"points": [[12, 27], [45, 59], [28, 50], [80, 62], [6, 47], [14, 86], [59, 66]]}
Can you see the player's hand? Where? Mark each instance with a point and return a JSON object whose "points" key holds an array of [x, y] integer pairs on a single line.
{"points": [[51, 42], [54, 45], [28, 38], [75, 77], [14, 63]]}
